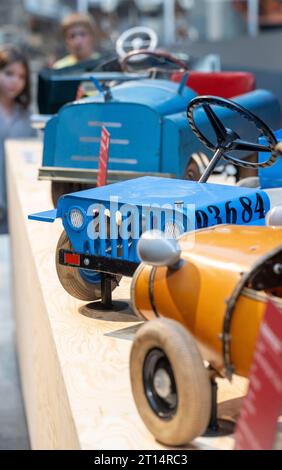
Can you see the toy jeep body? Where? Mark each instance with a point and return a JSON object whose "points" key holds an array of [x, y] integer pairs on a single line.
{"points": [[103, 225], [148, 129], [208, 303]]}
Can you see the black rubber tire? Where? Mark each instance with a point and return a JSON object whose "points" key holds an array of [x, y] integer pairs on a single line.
{"points": [[59, 188], [193, 386], [71, 279]]}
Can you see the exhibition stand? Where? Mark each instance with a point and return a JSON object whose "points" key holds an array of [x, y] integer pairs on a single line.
{"points": [[73, 359]]}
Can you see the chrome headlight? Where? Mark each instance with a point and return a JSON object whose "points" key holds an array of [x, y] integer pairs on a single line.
{"points": [[76, 218]]}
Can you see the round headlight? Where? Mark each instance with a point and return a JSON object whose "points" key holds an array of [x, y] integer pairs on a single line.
{"points": [[172, 230], [76, 218]]}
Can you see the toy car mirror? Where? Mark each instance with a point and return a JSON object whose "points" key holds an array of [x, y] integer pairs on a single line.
{"points": [[155, 249]]}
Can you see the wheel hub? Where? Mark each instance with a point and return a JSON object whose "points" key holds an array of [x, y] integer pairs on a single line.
{"points": [[162, 383], [159, 384]]}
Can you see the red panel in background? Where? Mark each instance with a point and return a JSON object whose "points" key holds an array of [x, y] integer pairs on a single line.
{"points": [[103, 157], [223, 84], [257, 425]]}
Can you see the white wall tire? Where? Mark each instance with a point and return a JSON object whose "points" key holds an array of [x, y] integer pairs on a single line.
{"points": [[190, 417]]}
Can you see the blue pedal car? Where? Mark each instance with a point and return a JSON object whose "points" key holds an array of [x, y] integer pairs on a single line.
{"points": [[103, 225], [148, 128]]}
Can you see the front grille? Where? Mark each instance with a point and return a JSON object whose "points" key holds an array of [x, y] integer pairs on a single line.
{"points": [[117, 233]]}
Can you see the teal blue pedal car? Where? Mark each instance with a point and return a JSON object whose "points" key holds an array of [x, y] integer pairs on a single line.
{"points": [[102, 225], [149, 134]]}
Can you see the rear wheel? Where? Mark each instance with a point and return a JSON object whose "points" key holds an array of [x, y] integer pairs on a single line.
{"points": [[170, 384], [59, 188], [82, 284]]}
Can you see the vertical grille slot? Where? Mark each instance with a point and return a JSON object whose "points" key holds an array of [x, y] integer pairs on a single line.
{"points": [[102, 232]]}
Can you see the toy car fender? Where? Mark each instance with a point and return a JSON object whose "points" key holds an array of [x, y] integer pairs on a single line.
{"points": [[216, 277], [204, 302]]}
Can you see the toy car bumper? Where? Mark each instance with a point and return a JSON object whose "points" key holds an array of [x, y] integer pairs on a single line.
{"points": [[79, 175], [97, 263]]}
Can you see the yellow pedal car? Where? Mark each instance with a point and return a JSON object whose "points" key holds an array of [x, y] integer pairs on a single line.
{"points": [[204, 302]]}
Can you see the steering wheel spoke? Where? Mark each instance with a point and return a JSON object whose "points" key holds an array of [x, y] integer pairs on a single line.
{"points": [[217, 125], [243, 145]]}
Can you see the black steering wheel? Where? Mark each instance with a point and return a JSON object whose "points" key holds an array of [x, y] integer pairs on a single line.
{"points": [[163, 57], [227, 139]]}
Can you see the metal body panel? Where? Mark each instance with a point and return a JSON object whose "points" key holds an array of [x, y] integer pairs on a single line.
{"points": [[115, 216], [271, 177], [211, 270], [148, 126], [150, 190], [161, 96], [47, 216], [50, 142], [127, 124]]}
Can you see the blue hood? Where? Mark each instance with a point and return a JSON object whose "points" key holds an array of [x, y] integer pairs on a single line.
{"points": [[160, 95]]}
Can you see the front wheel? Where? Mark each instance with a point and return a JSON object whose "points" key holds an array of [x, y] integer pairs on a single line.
{"points": [[170, 384], [82, 284]]}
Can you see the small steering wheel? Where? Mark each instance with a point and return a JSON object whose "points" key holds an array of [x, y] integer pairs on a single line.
{"points": [[162, 56], [227, 139], [134, 39]]}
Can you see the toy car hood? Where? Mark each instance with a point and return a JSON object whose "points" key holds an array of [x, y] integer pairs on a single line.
{"points": [[179, 195], [160, 95]]}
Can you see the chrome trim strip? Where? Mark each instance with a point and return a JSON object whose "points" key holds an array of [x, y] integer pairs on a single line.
{"points": [[89, 158], [129, 161], [90, 176], [104, 123], [97, 140]]}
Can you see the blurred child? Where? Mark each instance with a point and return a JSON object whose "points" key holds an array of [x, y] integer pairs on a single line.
{"points": [[79, 34], [14, 106]]}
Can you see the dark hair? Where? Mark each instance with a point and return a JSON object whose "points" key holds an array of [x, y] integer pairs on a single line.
{"points": [[10, 55]]}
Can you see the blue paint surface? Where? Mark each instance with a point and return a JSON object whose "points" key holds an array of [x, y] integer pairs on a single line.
{"points": [[271, 177], [152, 202]]}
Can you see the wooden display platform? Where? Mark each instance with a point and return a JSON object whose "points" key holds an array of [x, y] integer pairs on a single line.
{"points": [[73, 360]]}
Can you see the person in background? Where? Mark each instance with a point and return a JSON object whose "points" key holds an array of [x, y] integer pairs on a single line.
{"points": [[79, 35], [14, 106]]}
